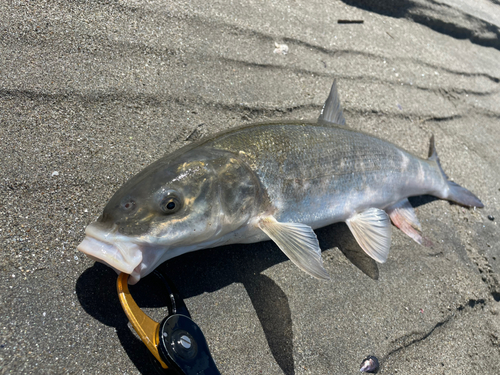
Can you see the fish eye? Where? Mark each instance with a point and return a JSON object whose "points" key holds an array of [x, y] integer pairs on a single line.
{"points": [[128, 205], [170, 203]]}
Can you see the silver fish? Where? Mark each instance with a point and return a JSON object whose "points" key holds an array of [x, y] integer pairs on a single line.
{"points": [[275, 181]]}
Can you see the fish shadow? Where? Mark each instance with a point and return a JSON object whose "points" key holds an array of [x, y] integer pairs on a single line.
{"points": [[97, 294], [208, 271], [339, 235], [194, 274], [422, 200]]}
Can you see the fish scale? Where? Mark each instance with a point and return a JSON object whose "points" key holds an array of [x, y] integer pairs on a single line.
{"points": [[345, 161]]}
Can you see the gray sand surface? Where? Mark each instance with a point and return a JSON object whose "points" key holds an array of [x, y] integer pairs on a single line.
{"points": [[93, 91]]}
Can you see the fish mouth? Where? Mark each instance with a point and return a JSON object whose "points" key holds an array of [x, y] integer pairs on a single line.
{"points": [[106, 245]]}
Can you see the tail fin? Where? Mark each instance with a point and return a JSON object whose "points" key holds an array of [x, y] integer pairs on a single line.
{"points": [[456, 193]]}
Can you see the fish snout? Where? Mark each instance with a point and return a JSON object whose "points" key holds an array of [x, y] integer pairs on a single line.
{"points": [[113, 249]]}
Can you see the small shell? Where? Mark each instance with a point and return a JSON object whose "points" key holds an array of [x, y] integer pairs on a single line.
{"points": [[369, 364], [280, 49]]}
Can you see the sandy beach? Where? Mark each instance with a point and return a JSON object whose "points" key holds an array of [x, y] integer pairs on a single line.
{"points": [[93, 91]]}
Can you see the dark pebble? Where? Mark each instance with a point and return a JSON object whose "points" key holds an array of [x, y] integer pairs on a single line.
{"points": [[491, 217]]}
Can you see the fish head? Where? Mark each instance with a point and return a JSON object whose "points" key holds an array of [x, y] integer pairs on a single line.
{"points": [[176, 205]]}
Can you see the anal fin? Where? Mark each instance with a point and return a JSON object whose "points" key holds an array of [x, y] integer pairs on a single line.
{"points": [[403, 216], [298, 242], [372, 230]]}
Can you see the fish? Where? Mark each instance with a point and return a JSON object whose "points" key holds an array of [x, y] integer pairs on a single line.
{"points": [[269, 181]]}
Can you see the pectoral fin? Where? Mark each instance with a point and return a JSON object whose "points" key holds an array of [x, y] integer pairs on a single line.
{"points": [[403, 216], [372, 230], [299, 243]]}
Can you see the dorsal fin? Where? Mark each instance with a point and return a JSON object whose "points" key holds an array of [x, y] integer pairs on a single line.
{"points": [[332, 110]]}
